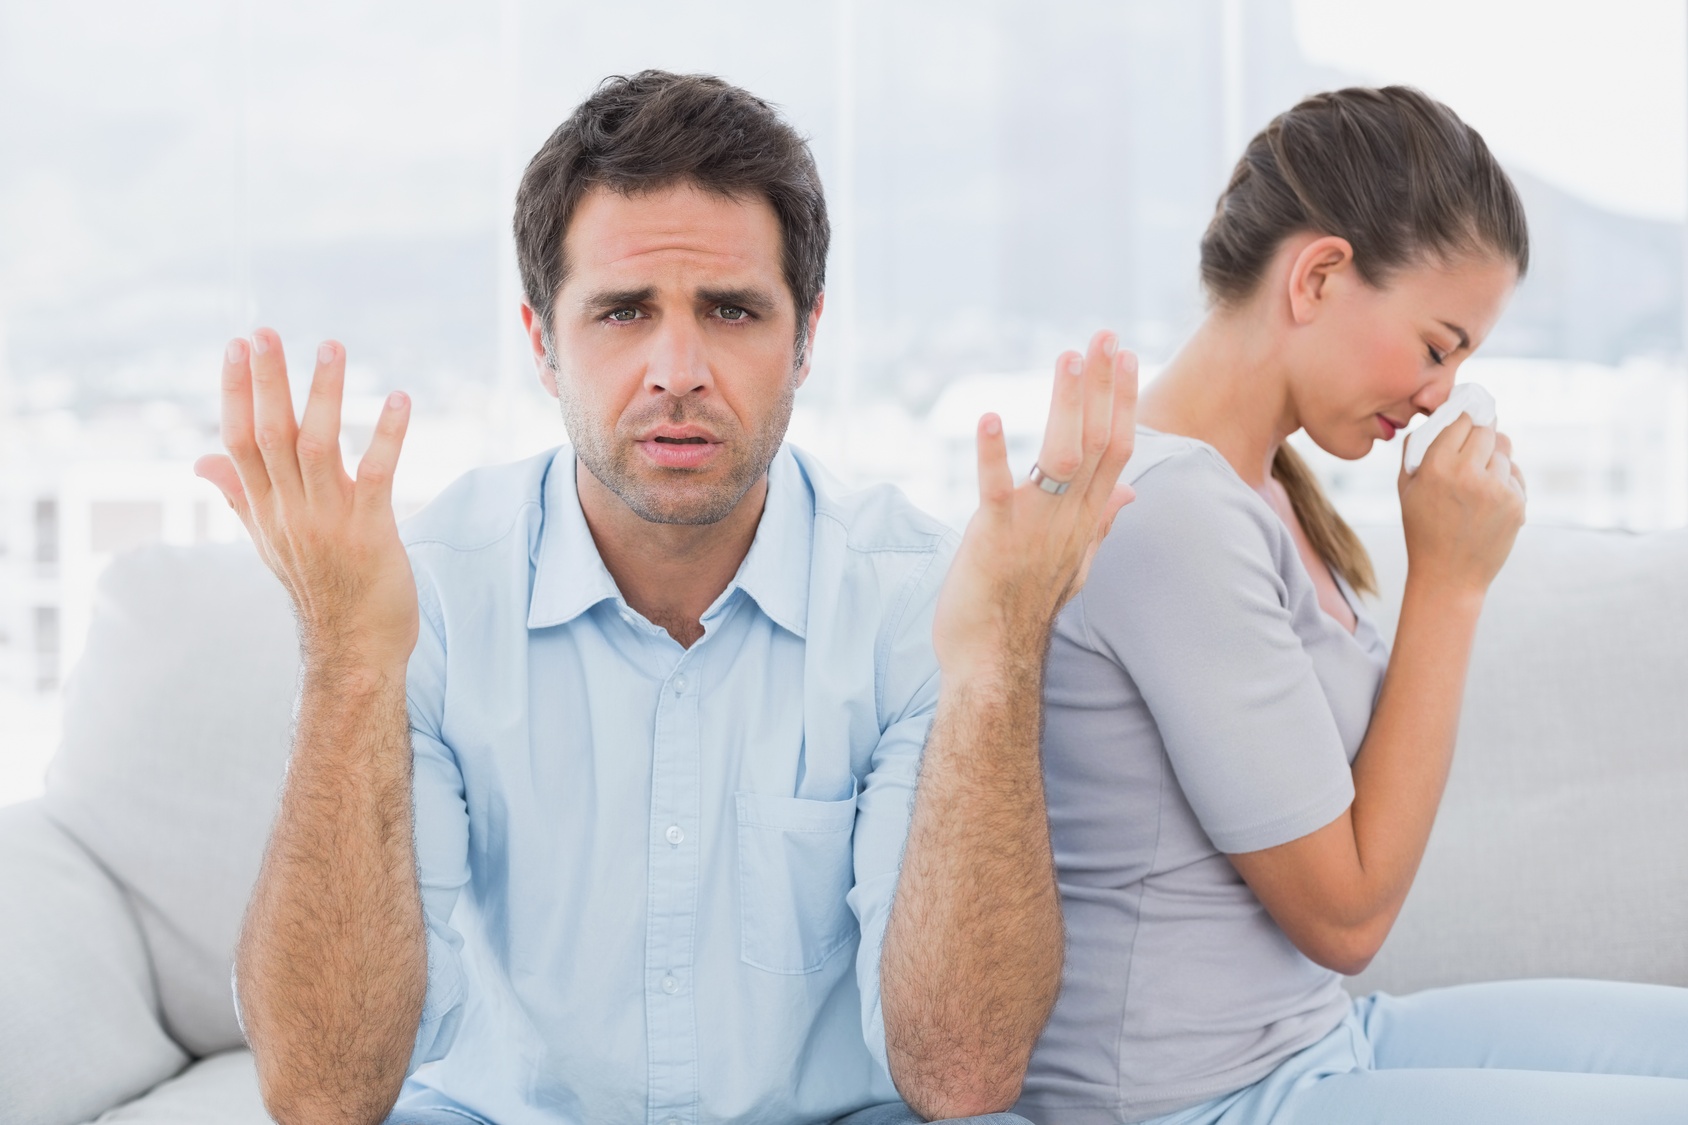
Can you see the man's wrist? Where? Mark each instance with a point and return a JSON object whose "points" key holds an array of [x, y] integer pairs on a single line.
{"points": [[351, 673], [984, 678]]}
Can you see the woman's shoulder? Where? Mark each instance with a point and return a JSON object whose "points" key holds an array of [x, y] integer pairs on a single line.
{"points": [[1183, 483], [1196, 544]]}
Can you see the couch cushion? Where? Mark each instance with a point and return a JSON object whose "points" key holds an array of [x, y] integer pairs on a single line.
{"points": [[175, 740], [79, 1024], [220, 1090], [1561, 848]]}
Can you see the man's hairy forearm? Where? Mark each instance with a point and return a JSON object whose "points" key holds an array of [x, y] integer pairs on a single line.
{"points": [[332, 962], [973, 949]]}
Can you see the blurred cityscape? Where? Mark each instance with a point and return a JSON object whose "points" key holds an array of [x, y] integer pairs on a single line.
{"points": [[1005, 177]]}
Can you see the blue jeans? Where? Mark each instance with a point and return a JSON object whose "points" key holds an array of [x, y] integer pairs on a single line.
{"points": [[1540, 1051]]}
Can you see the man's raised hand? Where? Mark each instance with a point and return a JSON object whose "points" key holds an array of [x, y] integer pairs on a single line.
{"points": [[1027, 550], [333, 541]]}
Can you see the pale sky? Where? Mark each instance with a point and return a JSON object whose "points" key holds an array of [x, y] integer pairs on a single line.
{"points": [[1591, 96]]}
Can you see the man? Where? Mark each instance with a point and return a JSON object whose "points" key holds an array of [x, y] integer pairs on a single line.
{"points": [[600, 793]]}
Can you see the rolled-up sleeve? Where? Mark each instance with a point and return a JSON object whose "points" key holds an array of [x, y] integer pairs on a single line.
{"points": [[909, 701], [441, 830]]}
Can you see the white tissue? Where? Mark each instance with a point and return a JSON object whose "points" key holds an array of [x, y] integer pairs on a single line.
{"points": [[1467, 398]]}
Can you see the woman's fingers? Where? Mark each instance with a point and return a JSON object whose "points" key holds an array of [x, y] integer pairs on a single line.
{"points": [[1062, 453], [274, 426], [1479, 446], [1447, 444], [996, 479], [374, 495], [319, 432]]}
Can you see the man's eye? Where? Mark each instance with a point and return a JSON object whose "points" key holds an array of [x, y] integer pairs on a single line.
{"points": [[733, 312], [625, 315]]}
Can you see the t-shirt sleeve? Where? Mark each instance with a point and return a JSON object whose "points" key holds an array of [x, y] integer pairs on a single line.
{"points": [[1186, 594], [441, 831]]}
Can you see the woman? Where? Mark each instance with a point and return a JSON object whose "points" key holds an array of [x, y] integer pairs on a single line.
{"points": [[1241, 777]]}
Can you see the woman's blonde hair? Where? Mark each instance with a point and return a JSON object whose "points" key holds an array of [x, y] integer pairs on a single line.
{"points": [[1399, 176]]}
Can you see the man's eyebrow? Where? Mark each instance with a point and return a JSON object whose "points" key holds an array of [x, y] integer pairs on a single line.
{"points": [[1464, 340], [616, 298], [755, 299]]}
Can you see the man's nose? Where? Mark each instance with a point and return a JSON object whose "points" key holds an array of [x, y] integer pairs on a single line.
{"points": [[678, 362]]}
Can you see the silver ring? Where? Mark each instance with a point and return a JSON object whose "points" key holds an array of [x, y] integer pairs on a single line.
{"points": [[1048, 483]]}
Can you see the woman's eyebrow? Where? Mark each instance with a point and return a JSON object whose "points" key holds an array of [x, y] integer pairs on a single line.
{"points": [[1464, 340]]}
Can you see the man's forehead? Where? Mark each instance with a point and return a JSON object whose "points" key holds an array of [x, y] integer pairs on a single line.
{"points": [[678, 227]]}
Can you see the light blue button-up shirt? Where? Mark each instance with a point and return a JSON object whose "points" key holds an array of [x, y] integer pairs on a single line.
{"points": [[656, 879]]}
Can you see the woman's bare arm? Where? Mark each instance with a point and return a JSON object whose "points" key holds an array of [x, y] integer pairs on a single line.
{"points": [[1337, 891]]}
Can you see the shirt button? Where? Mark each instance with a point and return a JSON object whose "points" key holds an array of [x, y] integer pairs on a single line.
{"points": [[670, 985], [679, 683], [674, 834]]}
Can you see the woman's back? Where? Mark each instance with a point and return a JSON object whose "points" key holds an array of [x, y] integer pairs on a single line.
{"points": [[1198, 702]]}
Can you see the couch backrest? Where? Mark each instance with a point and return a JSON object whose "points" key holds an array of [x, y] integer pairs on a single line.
{"points": [[175, 740], [1561, 848]]}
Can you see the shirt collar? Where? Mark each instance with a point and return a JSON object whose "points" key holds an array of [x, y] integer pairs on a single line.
{"points": [[570, 577]]}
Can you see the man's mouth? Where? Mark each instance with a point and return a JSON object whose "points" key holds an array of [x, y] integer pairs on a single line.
{"points": [[683, 440]]}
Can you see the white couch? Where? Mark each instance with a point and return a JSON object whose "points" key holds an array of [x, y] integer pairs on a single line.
{"points": [[1562, 848]]}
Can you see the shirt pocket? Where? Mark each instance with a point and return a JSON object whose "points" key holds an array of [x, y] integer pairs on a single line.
{"points": [[796, 869]]}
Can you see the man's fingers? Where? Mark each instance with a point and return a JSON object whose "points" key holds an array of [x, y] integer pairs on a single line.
{"points": [[1121, 495], [1100, 370], [996, 479], [220, 471], [319, 432], [1122, 434], [375, 472], [275, 429], [1062, 454], [237, 432]]}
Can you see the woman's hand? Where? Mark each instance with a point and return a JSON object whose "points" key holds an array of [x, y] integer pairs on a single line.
{"points": [[1463, 508]]}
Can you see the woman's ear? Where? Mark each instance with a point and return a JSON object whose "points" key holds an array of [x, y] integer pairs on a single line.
{"points": [[1320, 262]]}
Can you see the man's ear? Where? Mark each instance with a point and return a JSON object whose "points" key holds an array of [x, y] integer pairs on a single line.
{"points": [[1325, 260], [535, 329], [806, 360]]}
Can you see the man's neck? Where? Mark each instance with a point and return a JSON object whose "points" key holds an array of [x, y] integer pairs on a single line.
{"points": [[669, 573]]}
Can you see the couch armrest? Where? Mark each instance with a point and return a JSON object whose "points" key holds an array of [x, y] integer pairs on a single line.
{"points": [[80, 1031]]}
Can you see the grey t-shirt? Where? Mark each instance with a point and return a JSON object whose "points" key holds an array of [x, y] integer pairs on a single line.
{"points": [[1199, 702]]}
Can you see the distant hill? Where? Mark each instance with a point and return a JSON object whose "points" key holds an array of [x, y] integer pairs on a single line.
{"points": [[1601, 286]]}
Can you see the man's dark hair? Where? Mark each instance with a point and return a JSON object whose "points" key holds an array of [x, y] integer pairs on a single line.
{"points": [[653, 130]]}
